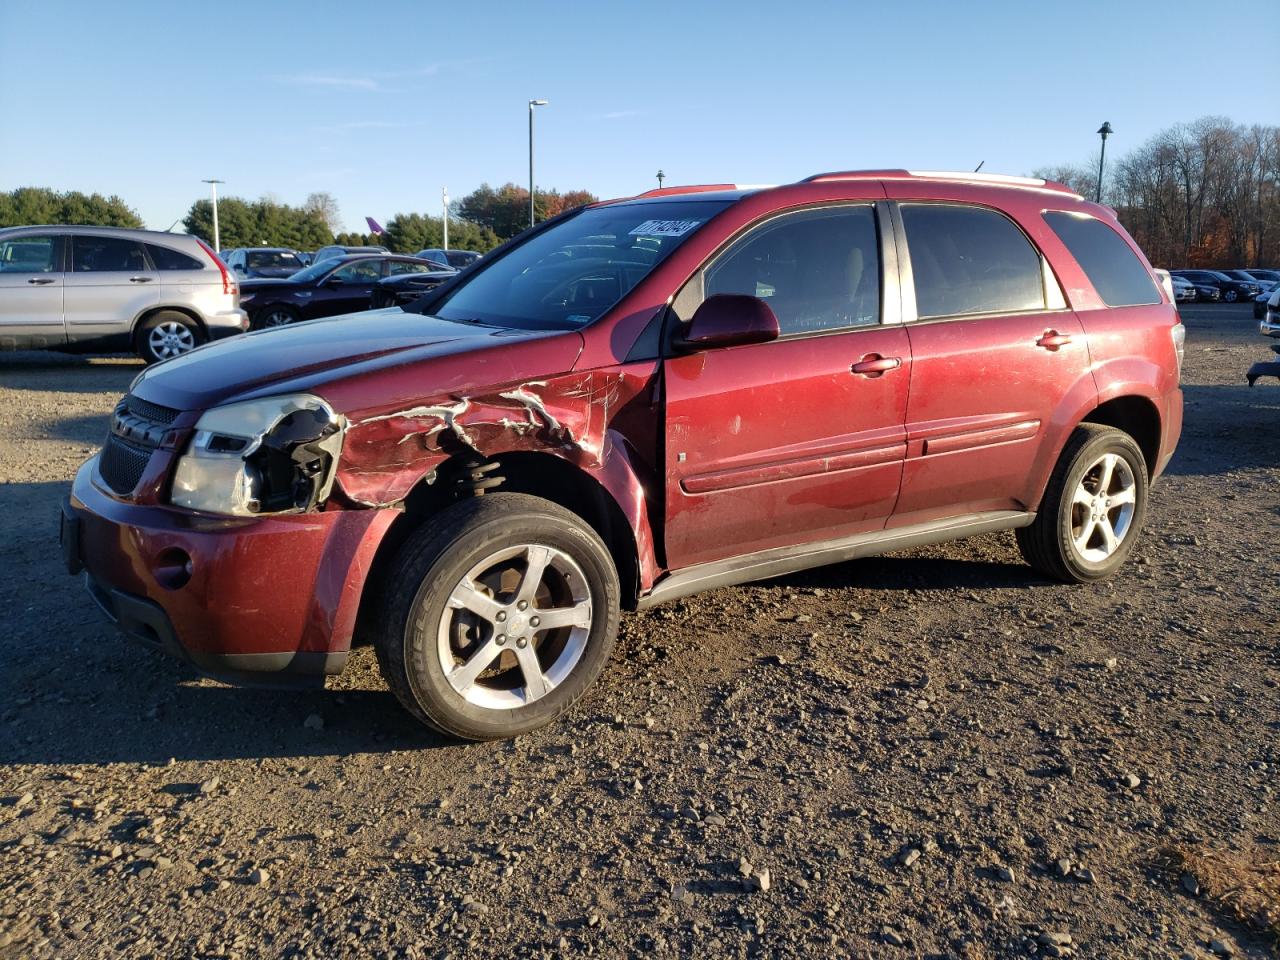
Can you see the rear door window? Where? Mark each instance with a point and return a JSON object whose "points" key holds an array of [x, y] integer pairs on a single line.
{"points": [[107, 255], [970, 260], [166, 258], [1110, 264]]}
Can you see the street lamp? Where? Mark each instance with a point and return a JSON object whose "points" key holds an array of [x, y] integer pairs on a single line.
{"points": [[1104, 131], [213, 189], [532, 104], [661, 176], [444, 196]]}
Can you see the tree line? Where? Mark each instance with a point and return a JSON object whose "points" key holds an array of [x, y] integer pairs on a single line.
{"points": [[1201, 194], [32, 205], [479, 221]]}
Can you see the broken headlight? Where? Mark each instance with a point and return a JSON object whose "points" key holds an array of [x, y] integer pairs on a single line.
{"points": [[275, 455]]}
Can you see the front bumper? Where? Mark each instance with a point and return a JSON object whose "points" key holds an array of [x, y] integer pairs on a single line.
{"points": [[1269, 327], [270, 600]]}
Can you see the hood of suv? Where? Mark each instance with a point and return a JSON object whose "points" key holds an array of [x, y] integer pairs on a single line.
{"points": [[305, 355]]}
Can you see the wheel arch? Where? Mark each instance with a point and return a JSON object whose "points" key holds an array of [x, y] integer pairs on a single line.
{"points": [[591, 495], [151, 311], [1139, 417]]}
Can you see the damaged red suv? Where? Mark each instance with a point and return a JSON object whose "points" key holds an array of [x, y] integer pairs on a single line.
{"points": [[635, 401]]}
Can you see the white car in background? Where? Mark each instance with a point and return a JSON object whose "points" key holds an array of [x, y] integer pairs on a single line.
{"points": [[106, 289]]}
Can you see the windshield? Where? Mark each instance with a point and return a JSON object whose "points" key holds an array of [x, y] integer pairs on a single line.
{"points": [[571, 273], [279, 259]]}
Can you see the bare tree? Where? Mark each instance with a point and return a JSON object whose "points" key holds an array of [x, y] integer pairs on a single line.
{"points": [[327, 207]]}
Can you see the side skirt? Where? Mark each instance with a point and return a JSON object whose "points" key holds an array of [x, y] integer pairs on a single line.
{"points": [[783, 560]]}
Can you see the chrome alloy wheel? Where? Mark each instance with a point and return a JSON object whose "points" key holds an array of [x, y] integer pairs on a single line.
{"points": [[170, 339], [515, 627], [1103, 507]]}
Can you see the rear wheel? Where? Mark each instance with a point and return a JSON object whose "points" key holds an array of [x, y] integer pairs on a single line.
{"points": [[498, 615], [167, 334], [1092, 510], [275, 316]]}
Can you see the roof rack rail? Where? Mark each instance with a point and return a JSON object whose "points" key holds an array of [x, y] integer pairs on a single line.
{"points": [[692, 188], [960, 175]]}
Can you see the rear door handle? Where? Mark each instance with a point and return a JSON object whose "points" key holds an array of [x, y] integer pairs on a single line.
{"points": [[139, 279], [874, 365], [1052, 340], [40, 281]]}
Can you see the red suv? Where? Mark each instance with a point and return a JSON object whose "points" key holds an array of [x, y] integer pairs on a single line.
{"points": [[633, 402]]}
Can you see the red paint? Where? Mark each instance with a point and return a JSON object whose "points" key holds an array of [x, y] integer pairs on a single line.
{"points": [[707, 454]]}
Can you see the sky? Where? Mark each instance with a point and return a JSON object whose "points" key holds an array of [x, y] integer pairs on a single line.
{"points": [[384, 104]]}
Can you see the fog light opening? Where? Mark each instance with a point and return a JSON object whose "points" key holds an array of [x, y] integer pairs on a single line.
{"points": [[173, 568]]}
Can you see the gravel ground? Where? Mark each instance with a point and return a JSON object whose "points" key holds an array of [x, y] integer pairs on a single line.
{"points": [[927, 754]]}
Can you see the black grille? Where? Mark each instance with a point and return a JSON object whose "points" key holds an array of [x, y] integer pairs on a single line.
{"points": [[121, 464], [149, 411]]}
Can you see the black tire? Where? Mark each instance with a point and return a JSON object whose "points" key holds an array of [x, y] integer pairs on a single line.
{"points": [[434, 560], [167, 334], [275, 315], [1048, 544]]}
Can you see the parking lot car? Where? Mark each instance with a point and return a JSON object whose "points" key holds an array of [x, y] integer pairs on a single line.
{"points": [[324, 289], [1183, 290], [264, 262], [1270, 325], [453, 258], [739, 384], [104, 288], [1229, 288], [404, 288], [328, 253]]}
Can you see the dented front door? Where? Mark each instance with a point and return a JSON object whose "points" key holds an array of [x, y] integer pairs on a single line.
{"points": [[803, 438]]}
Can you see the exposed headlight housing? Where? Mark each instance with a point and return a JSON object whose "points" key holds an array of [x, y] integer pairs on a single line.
{"points": [[275, 455]]}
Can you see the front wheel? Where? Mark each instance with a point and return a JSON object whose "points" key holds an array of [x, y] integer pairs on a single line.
{"points": [[1092, 510], [1231, 296], [497, 616]]}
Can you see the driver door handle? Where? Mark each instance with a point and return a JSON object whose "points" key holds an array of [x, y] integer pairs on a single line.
{"points": [[139, 279], [1052, 340], [874, 365], [40, 281]]}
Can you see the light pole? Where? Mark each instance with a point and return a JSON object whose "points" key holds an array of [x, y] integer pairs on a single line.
{"points": [[532, 104], [1104, 131], [213, 189], [661, 176], [444, 196]]}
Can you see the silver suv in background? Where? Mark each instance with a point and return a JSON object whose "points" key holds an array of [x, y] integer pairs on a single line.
{"points": [[106, 288]]}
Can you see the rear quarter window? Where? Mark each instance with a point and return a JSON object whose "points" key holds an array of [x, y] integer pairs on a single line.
{"points": [[166, 258], [1110, 264]]}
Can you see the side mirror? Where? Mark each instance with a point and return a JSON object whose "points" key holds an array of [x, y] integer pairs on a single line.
{"points": [[730, 320]]}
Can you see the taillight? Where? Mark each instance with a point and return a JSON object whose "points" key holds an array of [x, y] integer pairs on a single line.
{"points": [[1179, 334], [229, 285]]}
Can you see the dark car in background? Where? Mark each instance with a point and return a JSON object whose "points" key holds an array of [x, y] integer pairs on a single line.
{"points": [[402, 288], [1229, 288], [334, 250], [271, 262], [324, 289], [457, 259]]}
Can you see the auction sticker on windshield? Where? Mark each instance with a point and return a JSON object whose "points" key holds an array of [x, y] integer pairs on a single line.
{"points": [[665, 228]]}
